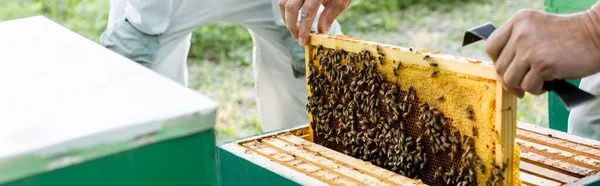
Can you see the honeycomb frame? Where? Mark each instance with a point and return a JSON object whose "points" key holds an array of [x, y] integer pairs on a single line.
{"points": [[504, 104]]}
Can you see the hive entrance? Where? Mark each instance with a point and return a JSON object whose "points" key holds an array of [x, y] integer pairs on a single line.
{"points": [[357, 111]]}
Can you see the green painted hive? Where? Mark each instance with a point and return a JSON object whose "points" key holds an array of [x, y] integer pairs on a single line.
{"points": [[75, 113], [558, 115]]}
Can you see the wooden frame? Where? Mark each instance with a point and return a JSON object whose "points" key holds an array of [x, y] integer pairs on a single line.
{"points": [[505, 110], [548, 171]]}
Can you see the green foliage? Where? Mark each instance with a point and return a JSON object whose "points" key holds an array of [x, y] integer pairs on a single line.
{"points": [[218, 42], [383, 15], [222, 42], [86, 17]]}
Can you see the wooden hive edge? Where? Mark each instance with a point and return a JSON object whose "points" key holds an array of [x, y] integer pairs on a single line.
{"points": [[533, 174], [506, 103]]}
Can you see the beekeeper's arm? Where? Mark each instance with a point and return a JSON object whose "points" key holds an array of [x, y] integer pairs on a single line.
{"points": [[533, 47]]}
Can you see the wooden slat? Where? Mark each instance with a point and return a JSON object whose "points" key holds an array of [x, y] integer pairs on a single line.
{"points": [[534, 180], [364, 167], [540, 163], [559, 144], [506, 123], [559, 166], [560, 135], [445, 62], [560, 155], [290, 161], [322, 162], [545, 173]]}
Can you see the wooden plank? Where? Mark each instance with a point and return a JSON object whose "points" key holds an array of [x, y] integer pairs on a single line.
{"points": [[534, 180], [536, 168], [545, 173], [288, 160], [561, 155], [559, 166], [447, 62], [307, 57], [560, 135], [322, 162], [559, 144], [506, 123], [533, 164], [364, 167]]}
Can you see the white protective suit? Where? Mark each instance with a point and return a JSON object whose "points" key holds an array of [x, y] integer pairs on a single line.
{"points": [[157, 34], [584, 120]]}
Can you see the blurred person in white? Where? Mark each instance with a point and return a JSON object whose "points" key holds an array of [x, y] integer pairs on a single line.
{"points": [[157, 34]]}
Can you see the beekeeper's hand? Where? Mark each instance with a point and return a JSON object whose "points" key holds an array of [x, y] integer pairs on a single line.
{"points": [[128, 41], [289, 12], [534, 47]]}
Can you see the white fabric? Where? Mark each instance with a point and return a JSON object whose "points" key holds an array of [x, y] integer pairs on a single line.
{"points": [[149, 16], [584, 120], [276, 13], [281, 98]]}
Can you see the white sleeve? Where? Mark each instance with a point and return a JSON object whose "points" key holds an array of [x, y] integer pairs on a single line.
{"points": [[149, 16]]}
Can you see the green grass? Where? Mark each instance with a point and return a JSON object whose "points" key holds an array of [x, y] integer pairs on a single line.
{"points": [[233, 87], [220, 65]]}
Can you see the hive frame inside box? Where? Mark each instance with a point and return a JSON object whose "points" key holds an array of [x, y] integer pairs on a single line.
{"points": [[241, 163], [506, 103], [363, 173]]}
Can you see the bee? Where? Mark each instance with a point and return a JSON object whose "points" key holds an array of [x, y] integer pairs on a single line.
{"points": [[470, 156], [498, 174], [454, 149], [380, 51], [470, 114], [437, 126], [433, 64], [426, 57], [475, 131], [480, 167], [504, 165], [433, 74], [439, 98], [467, 151], [410, 49]]}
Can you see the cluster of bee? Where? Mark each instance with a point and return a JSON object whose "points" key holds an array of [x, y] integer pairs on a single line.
{"points": [[433, 64], [446, 140], [496, 176], [355, 110]]}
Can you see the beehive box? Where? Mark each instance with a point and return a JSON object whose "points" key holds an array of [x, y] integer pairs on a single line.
{"points": [[74, 113], [289, 157]]}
